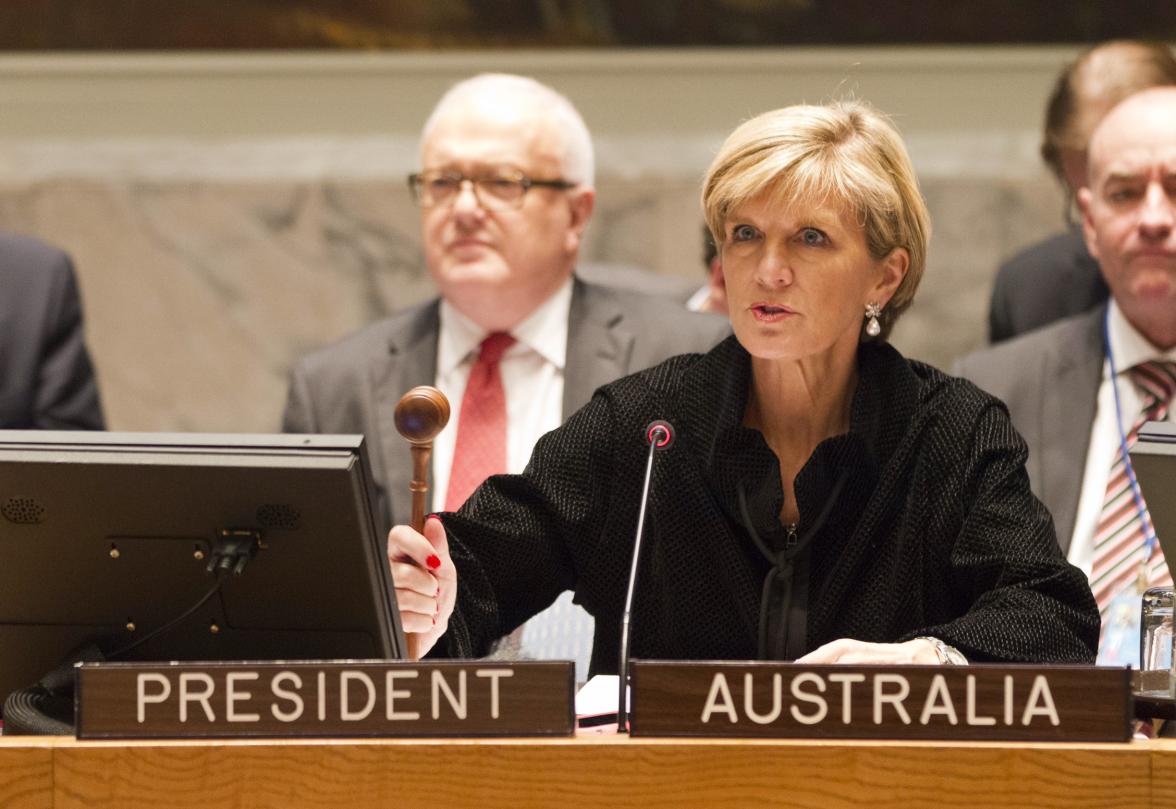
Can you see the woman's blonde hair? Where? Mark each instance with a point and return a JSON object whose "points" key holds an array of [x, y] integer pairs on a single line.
{"points": [[845, 153]]}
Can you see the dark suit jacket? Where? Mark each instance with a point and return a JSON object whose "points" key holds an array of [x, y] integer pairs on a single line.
{"points": [[1049, 379], [353, 386], [46, 379], [1046, 282], [918, 521]]}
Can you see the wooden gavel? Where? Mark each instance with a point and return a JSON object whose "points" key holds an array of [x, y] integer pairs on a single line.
{"points": [[420, 415]]}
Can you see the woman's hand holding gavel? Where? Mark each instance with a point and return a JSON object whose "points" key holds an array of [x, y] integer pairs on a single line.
{"points": [[425, 580], [418, 567]]}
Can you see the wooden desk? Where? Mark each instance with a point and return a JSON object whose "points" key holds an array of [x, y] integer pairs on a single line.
{"points": [[61, 773]]}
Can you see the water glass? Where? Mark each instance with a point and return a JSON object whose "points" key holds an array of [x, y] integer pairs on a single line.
{"points": [[1156, 677]]}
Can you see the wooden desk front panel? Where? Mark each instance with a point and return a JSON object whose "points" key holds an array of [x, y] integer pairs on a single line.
{"points": [[26, 776], [593, 771], [1163, 772]]}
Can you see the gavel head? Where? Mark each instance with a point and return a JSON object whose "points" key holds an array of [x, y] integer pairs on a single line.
{"points": [[421, 414]]}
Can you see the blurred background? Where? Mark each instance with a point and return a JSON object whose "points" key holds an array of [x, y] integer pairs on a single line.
{"points": [[229, 175]]}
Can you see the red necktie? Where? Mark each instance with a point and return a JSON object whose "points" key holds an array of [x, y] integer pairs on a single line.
{"points": [[480, 450], [1119, 539]]}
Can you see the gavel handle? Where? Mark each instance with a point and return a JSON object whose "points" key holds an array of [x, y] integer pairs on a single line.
{"points": [[419, 486], [420, 483]]}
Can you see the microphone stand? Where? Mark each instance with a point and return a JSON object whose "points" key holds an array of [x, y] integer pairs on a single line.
{"points": [[660, 435]]}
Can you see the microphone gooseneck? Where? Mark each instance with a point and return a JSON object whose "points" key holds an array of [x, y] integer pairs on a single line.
{"points": [[659, 435]]}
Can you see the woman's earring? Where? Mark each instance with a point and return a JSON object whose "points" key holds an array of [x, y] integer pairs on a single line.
{"points": [[873, 327]]}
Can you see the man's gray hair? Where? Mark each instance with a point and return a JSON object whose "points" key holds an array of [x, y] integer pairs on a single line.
{"points": [[577, 161]]}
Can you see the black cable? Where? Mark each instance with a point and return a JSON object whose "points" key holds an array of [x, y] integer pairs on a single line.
{"points": [[160, 630], [46, 708], [232, 552], [34, 711]]}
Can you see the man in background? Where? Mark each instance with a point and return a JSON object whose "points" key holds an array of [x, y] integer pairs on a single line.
{"points": [[46, 378], [1079, 390], [711, 296], [515, 340], [1058, 277]]}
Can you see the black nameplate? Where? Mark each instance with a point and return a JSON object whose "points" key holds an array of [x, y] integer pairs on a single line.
{"points": [[321, 699], [982, 702]]}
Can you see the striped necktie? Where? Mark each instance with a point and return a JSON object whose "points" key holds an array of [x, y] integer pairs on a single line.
{"points": [[480, 449], [1119, 541]]}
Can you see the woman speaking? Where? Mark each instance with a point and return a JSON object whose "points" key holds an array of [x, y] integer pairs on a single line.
{"points": [[825, 500]]}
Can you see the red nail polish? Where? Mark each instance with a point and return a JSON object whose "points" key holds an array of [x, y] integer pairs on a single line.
{"points": [[433, 561], [433, 517]]}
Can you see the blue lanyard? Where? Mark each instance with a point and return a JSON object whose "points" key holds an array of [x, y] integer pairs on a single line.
{"points": [[1149, 535]]}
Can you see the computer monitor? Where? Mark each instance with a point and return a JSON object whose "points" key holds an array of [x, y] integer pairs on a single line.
{"points": [[105, 537], [1154, 460]]}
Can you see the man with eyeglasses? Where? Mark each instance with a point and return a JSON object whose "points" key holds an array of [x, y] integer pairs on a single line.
{"points": [[515, 341]]}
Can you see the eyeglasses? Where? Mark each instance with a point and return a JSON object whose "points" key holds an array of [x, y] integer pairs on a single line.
{"points": [[499, 190]]}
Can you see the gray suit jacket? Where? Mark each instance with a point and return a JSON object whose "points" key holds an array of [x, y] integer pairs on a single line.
{"points": [[1053, 279], [353, 386], [46, 379], [1049, 379]]}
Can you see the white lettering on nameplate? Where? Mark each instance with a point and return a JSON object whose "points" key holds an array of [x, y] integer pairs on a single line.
{"points": [[810, 698]]}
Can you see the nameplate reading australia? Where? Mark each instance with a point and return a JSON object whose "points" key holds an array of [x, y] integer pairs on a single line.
{"points": [[324, 699], [982, 702]]}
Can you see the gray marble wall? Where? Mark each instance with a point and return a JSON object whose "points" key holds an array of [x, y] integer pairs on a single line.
{"points": [[227, 215], [199, 295]]}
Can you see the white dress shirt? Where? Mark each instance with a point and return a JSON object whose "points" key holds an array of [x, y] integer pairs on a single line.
{"points": [[532, 375], [1129, 348]]}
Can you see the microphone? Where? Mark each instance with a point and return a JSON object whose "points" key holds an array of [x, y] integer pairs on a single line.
{"points": [[659, 435]]}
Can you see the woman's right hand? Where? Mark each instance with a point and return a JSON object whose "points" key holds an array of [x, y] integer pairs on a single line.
{"points": [[425, 580]]}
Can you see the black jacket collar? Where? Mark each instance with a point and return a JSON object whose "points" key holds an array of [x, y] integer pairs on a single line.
{"points": [[735, 456]]}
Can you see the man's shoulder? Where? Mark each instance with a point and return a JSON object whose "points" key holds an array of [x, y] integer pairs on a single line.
{"points": [[29, 261], [1046, 282], [671, 376], [1062, 251], [655, 317], [28, 246], [356, 350], [1006, 363]]}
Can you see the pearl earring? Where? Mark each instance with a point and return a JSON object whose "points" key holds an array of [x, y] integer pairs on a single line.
{"points": [[873, 327]]}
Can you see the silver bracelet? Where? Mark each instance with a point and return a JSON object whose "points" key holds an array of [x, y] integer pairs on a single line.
{"points": [[948, 655]]}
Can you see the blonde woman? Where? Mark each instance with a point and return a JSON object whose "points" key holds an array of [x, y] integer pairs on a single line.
{"points": [[825, 499]]}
